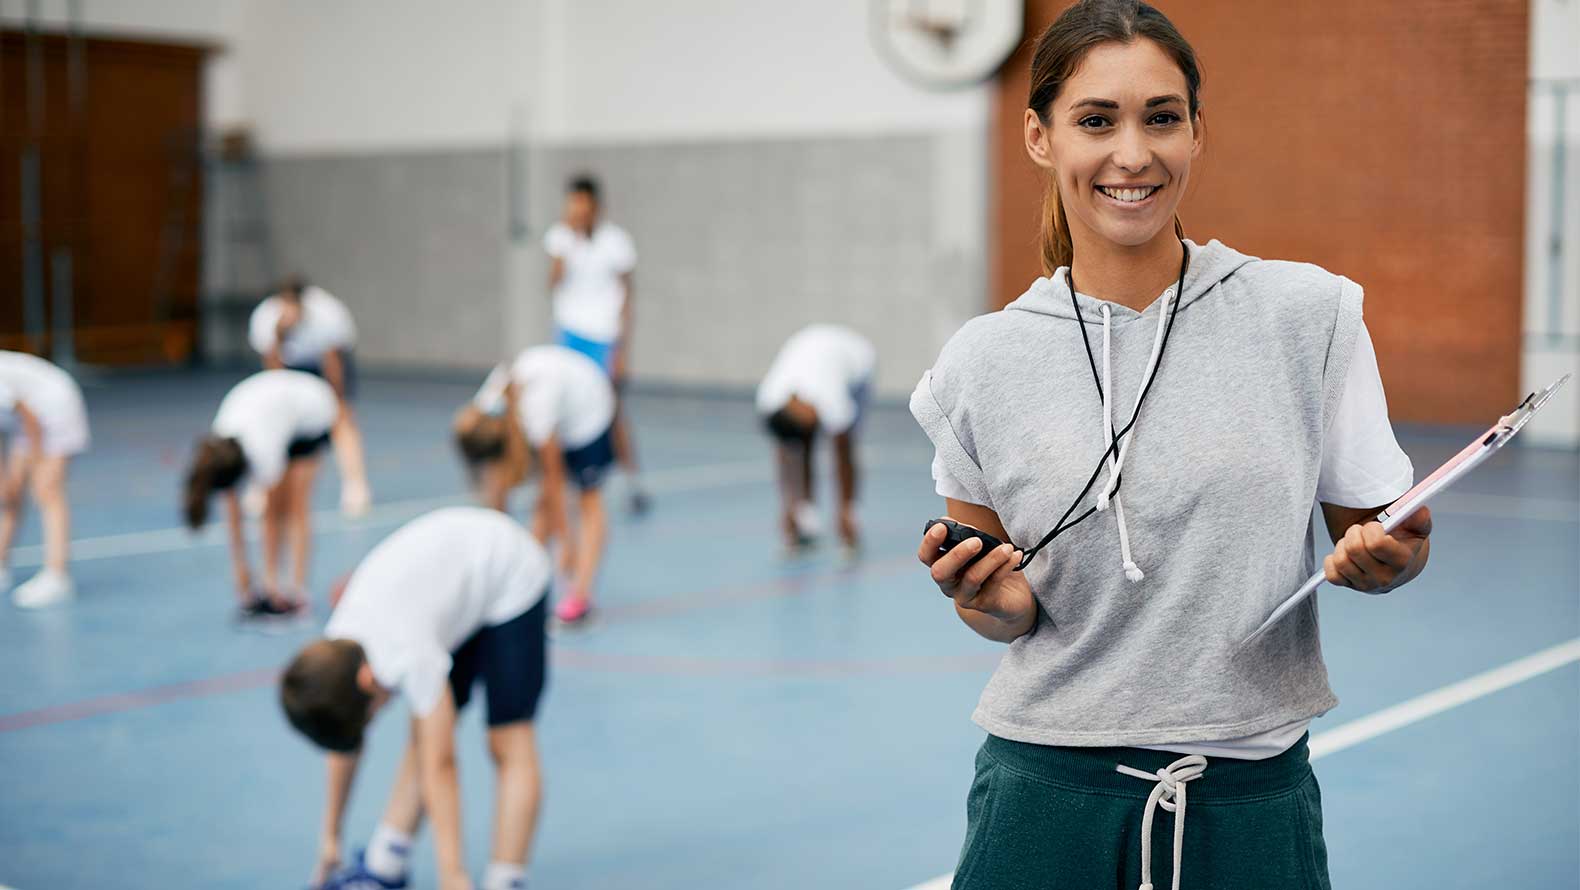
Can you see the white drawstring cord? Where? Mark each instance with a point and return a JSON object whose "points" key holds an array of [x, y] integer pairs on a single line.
{"points": [[1115, 464], [1169, 793]]}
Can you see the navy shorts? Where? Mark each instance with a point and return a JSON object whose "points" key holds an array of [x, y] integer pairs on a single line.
{"points": [[306, 447], [591, 462], [348, 371], [512, 661]]}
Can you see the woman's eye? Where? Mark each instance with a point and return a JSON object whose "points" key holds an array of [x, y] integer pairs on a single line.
{"points": [[1165, 118], [1093, 121]]}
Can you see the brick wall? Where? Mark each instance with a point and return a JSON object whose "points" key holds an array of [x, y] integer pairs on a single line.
{"points": [[1383, 141]]}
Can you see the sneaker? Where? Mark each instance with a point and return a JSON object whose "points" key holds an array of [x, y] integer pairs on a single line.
{"points": [[572, 609], [640, 503], [355, 500], [257, 607], [357, 877], [47, 588], [808, 524]]}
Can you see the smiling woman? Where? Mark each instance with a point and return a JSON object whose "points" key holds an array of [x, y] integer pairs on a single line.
{"points": [[1262, 399]]}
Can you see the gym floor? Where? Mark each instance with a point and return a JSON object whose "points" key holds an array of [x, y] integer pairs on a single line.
{"points": [[735, 718]]}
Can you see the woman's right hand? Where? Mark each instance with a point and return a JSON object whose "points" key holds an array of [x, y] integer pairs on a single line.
{"points": [[990, 586]]}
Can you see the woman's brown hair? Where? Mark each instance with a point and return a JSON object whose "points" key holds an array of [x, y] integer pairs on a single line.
{"points": [[1060, 50], [217, 463]]}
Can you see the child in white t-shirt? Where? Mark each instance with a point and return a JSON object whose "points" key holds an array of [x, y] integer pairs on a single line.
{"points": [[591, 263], [555, 403], [268, 431], [305, 328], [452, 597], [44, 425], [818, 382]]}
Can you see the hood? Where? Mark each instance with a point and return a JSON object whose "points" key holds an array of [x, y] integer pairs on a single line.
{"points": [[1210, 263]]}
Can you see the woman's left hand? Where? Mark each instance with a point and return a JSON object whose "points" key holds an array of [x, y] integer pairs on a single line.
{"points": [[1372, 560]]}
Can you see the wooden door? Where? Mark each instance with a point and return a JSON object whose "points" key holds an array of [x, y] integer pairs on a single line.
{"points": [[121, 193]]}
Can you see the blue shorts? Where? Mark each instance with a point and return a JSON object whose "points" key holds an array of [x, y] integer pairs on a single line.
{"points": [[591, 462], [348, 370], [512, 661], [600, 351]]}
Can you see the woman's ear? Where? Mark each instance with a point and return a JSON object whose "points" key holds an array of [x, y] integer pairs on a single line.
{"points": [[1037, 147], [1198, 133]]}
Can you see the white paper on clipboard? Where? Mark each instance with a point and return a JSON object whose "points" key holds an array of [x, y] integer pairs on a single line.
{"points": [[1481, 448]]}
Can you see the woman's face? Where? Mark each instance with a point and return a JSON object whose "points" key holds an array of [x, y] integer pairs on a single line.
{"points": [[1119, 141]]}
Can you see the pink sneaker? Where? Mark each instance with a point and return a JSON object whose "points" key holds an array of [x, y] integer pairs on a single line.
{"points": [[572, 609]]}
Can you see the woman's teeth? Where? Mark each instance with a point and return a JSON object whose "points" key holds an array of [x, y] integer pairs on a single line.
{"points": [[1129, 196]]}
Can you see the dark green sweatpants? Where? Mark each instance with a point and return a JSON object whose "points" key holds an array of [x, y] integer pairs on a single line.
{"points": [[1046, 818]]}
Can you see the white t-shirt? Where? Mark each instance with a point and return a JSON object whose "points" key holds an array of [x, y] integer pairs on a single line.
{"points": [[324, 326], [1362, 466], [590, 296], [50, 394], [266, 411], [562, 393], [424, 590], [825, 365]]}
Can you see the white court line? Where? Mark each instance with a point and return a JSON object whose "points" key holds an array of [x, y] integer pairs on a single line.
{"points": [[1414, 710], [171, 540], [1440, 700]]}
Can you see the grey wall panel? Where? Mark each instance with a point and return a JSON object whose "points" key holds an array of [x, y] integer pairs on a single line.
{"points": [[741, 242], [413, 243]]}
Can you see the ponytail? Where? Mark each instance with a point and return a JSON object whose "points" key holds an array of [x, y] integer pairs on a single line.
{"points": [[1057, 250], [217, 463]]}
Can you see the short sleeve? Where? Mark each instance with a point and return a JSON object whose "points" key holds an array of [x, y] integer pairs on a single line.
{"points": [[261, 327], [622, 252], [557, 241], [949, 487], [340, 332], [424, 681], [540, 410], [490, 398], [1362, 463], [265, 458], [928, 402], [8, 396], [837, 412]]}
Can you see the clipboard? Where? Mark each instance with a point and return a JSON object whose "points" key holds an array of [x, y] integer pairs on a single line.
{"points": [[1481, 448]]}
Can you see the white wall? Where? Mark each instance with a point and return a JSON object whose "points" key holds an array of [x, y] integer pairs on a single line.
{"points": [[1552, 326], [685, 68], [359, 75]]}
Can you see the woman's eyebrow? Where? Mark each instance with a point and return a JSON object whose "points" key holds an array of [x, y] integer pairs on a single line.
{"points": [[1110, 103]]}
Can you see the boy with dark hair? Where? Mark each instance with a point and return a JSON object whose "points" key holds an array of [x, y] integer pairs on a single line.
{"points": [[817, 383], [450, 598]]}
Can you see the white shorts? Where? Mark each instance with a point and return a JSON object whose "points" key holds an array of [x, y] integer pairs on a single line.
{"points": [[64, 423]]}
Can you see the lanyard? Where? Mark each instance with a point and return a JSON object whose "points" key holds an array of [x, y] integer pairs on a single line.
{"points": [[1065, 523]]}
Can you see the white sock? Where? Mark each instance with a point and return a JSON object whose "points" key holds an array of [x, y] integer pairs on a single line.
{"points": [[505, 876], [388, 852]]}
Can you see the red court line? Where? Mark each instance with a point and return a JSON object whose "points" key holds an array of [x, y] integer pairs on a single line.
{"points": [[570, 658], [143, 698]]}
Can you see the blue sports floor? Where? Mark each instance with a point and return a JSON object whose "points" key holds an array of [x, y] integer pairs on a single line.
{"points": [[737, 719]]}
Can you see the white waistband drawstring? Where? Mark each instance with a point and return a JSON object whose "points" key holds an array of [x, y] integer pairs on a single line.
{"points": [[1117, 462], [1169, 793]]}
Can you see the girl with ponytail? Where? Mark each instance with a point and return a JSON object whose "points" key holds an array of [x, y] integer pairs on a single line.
{"points": [[268, 432], [1148, 430]]}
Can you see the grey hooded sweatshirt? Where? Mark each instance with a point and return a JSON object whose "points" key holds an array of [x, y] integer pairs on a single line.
{"points": [[1219, 485]]}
